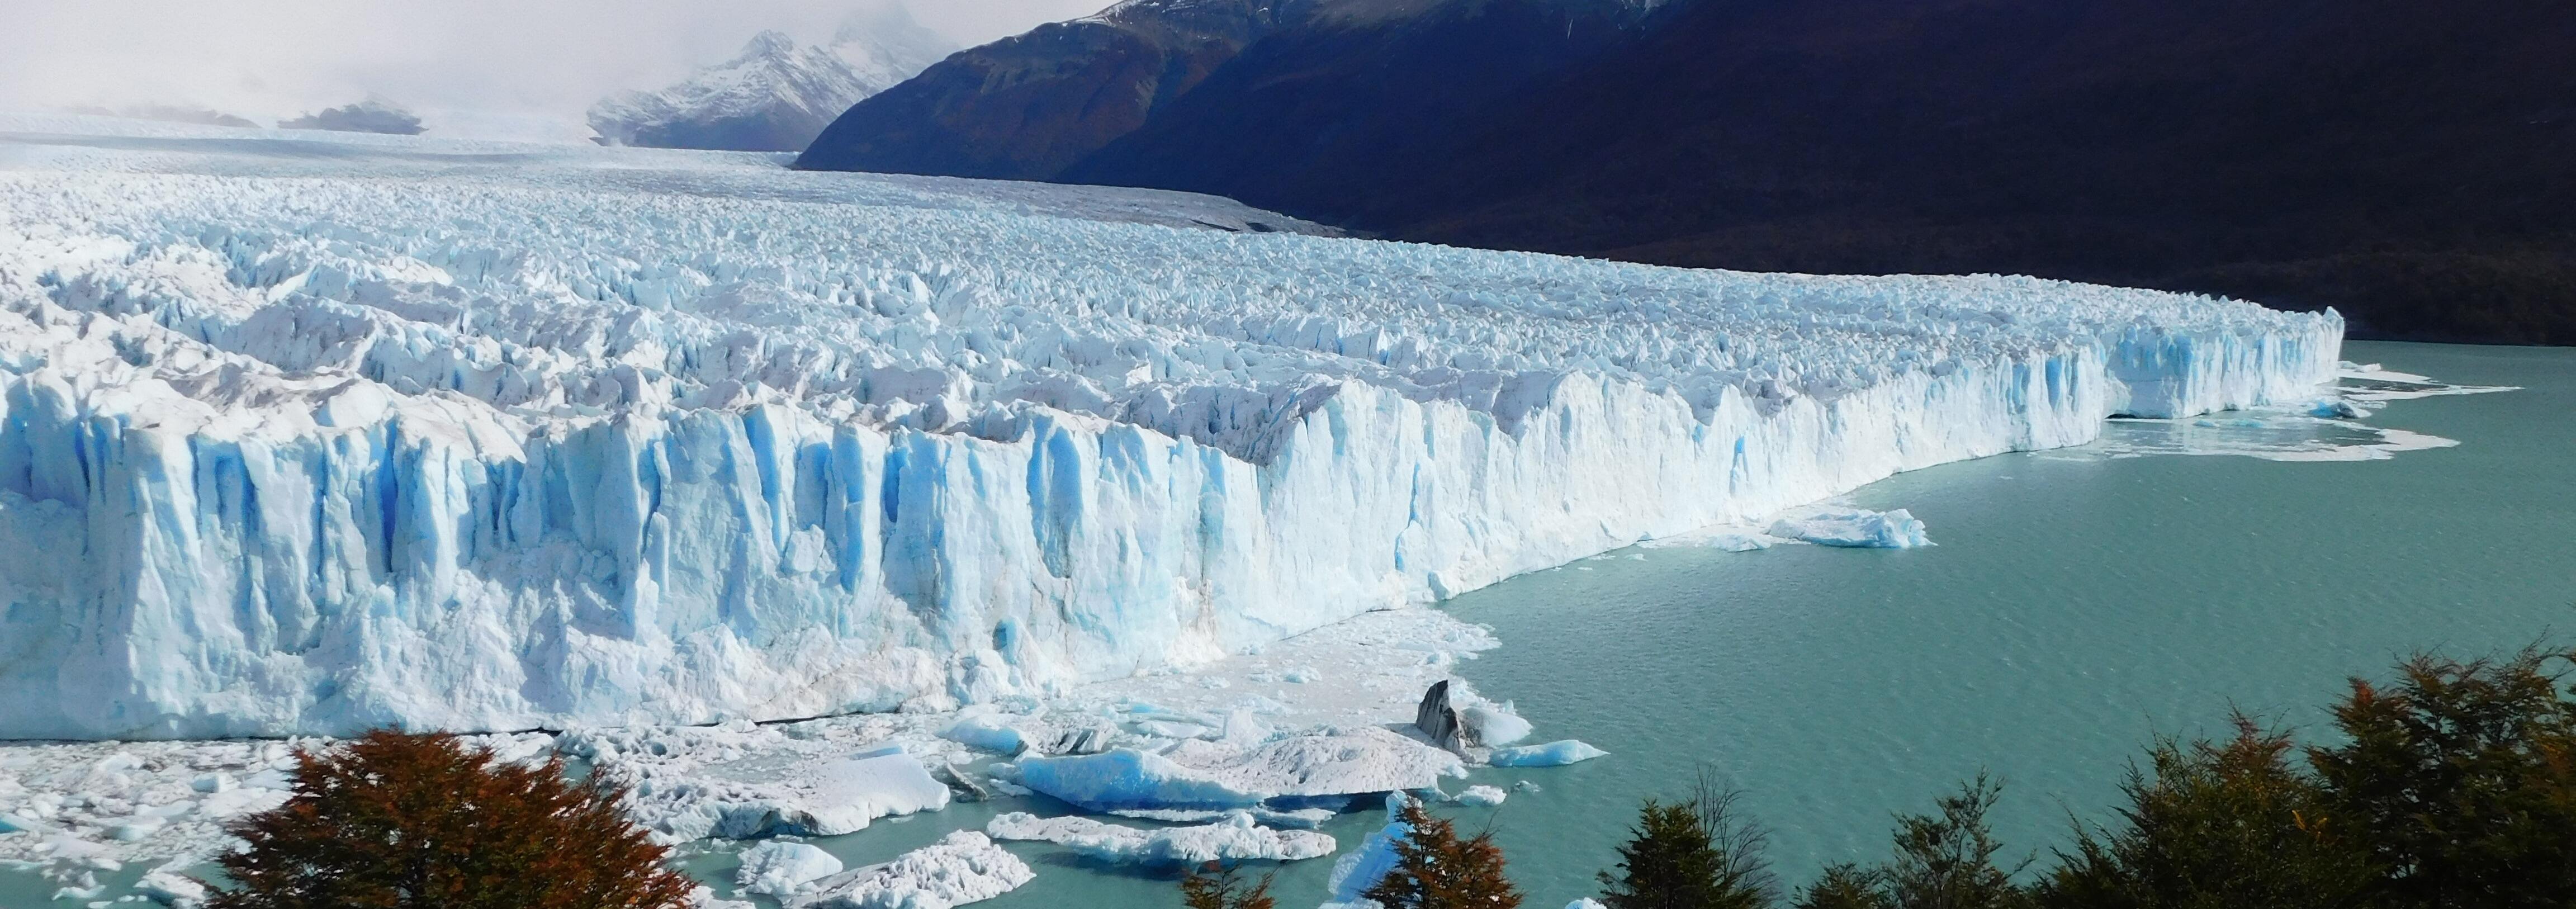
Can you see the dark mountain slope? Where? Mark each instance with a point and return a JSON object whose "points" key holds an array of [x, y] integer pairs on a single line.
{"points": [[1026, 107], [2413, 164], [1294, 116], [1215, 93]]}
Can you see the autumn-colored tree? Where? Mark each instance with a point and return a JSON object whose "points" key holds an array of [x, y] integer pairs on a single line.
{"points": [[1219, 887], [402, 821], [1434, 869]]}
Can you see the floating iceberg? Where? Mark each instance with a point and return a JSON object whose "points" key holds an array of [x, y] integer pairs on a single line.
{"points": [[734, 782], [963, 867], [1552, 754], [169, 886], [988, 732], [779, 868], [1482, 796], [478, 437], [1360, 869], [1295, 771], [1233, 839], [1854, 527]]}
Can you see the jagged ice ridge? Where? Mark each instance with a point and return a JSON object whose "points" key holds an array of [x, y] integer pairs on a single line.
{"points": [[489, 446]]}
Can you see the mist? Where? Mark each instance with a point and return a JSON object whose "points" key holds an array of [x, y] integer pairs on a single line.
{"points": [[522, 68]]}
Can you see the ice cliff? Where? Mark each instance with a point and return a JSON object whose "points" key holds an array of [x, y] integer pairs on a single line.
{"points": [[506, 441]]}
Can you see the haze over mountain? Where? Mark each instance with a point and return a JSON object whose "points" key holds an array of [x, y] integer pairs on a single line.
{"points": [[2404, 163], [479, 69], [775, 95], [373, 115]]}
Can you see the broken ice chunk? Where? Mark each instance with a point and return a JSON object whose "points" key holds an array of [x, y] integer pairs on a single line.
{"points": [[778, 868], [1552, 754], [963, 867], [1234, 838]]}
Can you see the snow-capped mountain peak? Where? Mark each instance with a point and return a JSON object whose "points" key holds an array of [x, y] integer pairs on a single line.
{"points": [[775, 95]]}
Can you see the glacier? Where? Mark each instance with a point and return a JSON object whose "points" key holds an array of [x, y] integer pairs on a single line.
{"points": [[303, 434]]}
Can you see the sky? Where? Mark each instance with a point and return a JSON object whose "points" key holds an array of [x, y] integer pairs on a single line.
{"points": [[509, 68]]}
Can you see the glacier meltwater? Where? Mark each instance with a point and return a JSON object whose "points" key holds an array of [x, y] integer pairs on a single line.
{"points": [[302, 434]]}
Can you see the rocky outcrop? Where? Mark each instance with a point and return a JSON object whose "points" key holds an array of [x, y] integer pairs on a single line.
{"points": [[1438, 720]]}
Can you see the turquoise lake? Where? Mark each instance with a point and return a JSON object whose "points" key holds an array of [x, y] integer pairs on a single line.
{"points": [[2076, 605]]}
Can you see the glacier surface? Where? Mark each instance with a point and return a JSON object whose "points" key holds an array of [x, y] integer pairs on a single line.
{"points": [[309, 434]]}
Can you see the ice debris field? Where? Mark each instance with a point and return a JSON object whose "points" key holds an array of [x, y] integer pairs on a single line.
{"points": [[302, 434]]}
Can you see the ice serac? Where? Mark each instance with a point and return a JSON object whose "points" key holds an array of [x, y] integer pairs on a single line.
{"points": [[480, 447]]}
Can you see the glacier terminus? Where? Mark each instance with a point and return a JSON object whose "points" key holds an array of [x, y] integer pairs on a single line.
{"points": [[305, 434]]}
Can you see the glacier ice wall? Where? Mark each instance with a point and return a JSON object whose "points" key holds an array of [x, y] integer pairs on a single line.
{"points": [[498, 446]]}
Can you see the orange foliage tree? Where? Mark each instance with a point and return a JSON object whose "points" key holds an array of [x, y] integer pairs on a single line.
{"points": [[402, 821]]}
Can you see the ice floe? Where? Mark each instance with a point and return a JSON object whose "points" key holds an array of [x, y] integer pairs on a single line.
{"points": [[1236, 837], [1552, 754], [963, 867], [779, 868]]}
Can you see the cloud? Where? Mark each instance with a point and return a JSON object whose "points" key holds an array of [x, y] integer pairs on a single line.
{"points": [[268, 59]]}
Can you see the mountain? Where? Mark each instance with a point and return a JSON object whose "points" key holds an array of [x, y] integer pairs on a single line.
{"points": [[2402, 162], [775, 96], [369, 116], [1216, 93]]}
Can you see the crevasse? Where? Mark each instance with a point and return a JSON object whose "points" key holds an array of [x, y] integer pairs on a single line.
{"points": [[566, 443]]}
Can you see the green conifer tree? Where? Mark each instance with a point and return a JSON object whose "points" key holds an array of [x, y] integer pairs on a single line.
{"points": [[2216, 826], [2460, 780]]}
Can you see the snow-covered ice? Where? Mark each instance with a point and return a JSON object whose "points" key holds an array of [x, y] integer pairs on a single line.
{"points": [[963, 867], [1235, 837], [1482, 796], [1552, 754], [485, 437]]}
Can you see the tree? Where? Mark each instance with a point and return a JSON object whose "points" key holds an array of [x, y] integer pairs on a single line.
{"points": [[1947, 861], [400, 821], [1697, 854], [1739, 841], [1218, 887], [2216, 826], [1844, 886], [2461, 781], [1667, 864], [1434, 869]]}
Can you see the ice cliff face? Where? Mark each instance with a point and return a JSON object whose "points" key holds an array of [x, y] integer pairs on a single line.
{"points": [[644, 436], [775, 96]]}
